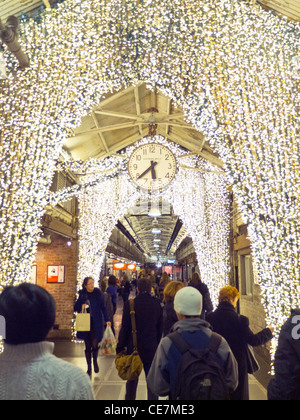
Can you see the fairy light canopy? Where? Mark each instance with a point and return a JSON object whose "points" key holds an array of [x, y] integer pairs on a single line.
{"points": [[197, 193], [228, 65]]}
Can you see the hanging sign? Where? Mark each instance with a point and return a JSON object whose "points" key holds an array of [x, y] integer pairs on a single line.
{"points": [[56, 274], [119, 266]]}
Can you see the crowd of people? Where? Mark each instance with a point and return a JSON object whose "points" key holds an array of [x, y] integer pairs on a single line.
{"points": [[188, 349]]}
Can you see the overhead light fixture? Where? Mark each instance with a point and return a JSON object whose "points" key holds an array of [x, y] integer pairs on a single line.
{"points": [[154, 212], [156, 240], [156, 246], [156, 231]]}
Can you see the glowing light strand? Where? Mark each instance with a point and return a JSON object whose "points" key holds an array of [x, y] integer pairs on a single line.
{"points": [[200, 199], [228, 64]]}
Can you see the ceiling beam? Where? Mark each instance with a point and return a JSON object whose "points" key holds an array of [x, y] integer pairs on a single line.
{"points": [[103, 129], [125, 232], [195, 147], [138, 106], [169, 103], [100, 134], [128, 141], [116, 114], [175, 233], [154, 98], [161, 119]]}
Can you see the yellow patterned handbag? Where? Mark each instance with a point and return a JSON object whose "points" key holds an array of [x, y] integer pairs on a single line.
{"points": [[130, 366]]}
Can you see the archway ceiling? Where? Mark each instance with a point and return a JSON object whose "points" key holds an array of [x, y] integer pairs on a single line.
{"points": [[140, 226], [122, 118], [290, 9]]}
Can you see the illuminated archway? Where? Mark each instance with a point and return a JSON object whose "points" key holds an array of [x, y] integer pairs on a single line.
{"points": [[227, 64], [198, 195]]}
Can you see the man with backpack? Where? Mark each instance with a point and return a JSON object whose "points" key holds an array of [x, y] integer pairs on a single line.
{"points": [[193, 363]]}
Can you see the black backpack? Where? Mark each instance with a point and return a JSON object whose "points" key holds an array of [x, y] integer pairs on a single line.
{"points": [[200, 375]]}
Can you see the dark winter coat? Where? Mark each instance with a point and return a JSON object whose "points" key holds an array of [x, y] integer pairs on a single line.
{"points": [[235, 329], [109, 306], [207, 305], [169, 317], [113, 292], [285, 385], [125, 291], [97, 310], [149, 323]]}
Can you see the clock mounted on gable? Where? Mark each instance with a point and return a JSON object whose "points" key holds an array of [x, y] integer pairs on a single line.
{"points": [[152, 167]]}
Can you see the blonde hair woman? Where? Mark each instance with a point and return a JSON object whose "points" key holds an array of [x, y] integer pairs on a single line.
{"points": [[169, 315], [229, 294], [235, 329]]}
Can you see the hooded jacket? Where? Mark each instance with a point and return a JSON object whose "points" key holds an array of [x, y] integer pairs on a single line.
{"points": [[285, 385], [162, 376]]}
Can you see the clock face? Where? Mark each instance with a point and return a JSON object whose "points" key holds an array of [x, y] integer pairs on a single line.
{"points": [[152, 167]]}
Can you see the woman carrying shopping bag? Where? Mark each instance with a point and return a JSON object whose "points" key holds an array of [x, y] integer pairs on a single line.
{"points": [[91, 300]]}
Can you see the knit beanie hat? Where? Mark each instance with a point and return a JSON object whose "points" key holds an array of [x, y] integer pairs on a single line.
{"points": [[188, 301]]}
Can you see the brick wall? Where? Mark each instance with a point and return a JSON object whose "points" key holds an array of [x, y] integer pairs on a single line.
{"points": [[59, 253]]}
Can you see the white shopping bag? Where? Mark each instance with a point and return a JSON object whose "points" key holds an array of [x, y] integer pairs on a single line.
{"points": [[83, 322], [109, 343]]}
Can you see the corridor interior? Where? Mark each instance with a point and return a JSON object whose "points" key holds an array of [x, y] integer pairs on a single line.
{"points": [[107, 385]]}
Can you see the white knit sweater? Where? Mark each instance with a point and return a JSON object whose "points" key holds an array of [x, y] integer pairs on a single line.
{"points": [[32, 372]]}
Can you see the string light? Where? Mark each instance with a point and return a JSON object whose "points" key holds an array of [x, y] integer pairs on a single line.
{"points": [[228, 64], [202, 202], [198, 196]]}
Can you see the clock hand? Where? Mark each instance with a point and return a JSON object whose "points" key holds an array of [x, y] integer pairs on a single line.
{"points": [[153, 164], [153, 173]]}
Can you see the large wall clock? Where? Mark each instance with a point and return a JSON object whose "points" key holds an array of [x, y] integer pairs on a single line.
{"points": [[152, 167]]}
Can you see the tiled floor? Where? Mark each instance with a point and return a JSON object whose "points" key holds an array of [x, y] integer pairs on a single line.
{"points": [[108, 386], [257, 391]]}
